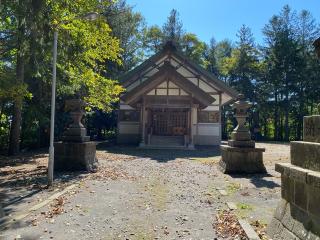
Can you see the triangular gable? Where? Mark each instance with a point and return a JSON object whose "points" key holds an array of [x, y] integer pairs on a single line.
{"points": [[167, 71], [167, 88], [191, 71]]}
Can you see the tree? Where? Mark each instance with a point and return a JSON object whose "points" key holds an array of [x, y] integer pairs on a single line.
{"points": [[193, 48], [283, 60], [211, 57], [84, 47], [243, 64], [223, 50], [173, 28], [129, 27], [13, 32], [153, 39]]}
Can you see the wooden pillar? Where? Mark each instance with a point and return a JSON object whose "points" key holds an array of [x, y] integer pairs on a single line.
{"points": [[192, 120], [220, 122], [143, 124]]}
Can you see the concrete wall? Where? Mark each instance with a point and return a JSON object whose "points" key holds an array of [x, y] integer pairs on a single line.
{"points": [[207, 133], [128, 133]]}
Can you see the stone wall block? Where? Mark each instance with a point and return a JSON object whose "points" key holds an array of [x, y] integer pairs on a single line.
{"points": [[315, 228], [300, 195], [306, 155], [313, 178], [299, 174], [302, 222], [313, 200], [311, 129], [287, 188], [279, 167]]}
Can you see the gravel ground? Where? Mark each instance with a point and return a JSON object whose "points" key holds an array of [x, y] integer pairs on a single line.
{"points": [[155, 194]]}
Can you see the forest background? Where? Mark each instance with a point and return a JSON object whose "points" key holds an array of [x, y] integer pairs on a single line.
{"points": [[281, 76]]}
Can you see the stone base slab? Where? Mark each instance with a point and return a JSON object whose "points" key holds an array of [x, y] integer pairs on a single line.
{"points": [[311, 128], [305, 154], [78, 139], [301, 187], [298, 213], [244, 144], [241, 160], [70, 156], [78, 131], [239, 135]]}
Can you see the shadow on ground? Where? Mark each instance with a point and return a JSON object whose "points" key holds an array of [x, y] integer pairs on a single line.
{"points": [[163, 155], [259, 180], [24, 176]]}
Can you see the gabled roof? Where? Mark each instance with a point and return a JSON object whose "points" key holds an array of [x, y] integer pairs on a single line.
{"points": [[170, 51], [168, 71]]}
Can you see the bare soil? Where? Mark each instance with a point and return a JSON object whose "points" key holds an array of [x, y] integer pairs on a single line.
{"points": [[141, 194]]}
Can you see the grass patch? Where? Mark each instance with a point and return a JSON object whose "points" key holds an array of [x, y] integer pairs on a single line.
{"points": [[233, 187], [243, 210], [243, 206]]}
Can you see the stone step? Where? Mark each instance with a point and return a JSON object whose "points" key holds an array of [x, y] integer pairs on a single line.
{"points": [[181, 147], [167, 140]]}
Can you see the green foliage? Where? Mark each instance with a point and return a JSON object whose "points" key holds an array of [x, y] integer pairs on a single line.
{"points": [[193, 48], [129, 27], [153, 39], [84, 47], [173, 28], [281, 77]]}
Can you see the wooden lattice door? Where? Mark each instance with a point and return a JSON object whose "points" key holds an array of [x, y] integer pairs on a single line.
{"points": [[169, 122]]}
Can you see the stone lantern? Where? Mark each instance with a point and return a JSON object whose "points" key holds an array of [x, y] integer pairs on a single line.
{"points": [[76, 151], [240, 136], [76, 132], [241, 155]]}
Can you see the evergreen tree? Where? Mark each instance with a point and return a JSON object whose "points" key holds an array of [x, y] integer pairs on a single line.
{"points": [[173, 28]]}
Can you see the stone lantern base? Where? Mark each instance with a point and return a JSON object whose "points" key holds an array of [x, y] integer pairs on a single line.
{"points": [[76, 152], [73, 156], [241, 160]]}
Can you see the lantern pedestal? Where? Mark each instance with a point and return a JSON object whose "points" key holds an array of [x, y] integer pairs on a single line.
{"points": [[241, 155], [241, 160], [76, 152]]}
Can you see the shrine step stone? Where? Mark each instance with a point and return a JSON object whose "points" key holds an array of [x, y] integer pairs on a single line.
{"points": [[298, 213]]}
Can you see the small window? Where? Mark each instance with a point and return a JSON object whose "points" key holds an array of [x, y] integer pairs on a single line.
{"points": [[129, 116], [208, 116]]}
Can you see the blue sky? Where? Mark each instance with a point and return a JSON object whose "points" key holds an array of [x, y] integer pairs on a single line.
{"points": [[220, 18]]}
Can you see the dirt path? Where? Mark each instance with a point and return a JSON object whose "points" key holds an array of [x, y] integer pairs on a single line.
{"points": [[155, 195]]}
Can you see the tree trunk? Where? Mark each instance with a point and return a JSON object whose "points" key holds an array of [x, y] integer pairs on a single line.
{"points": [[15, 131], [286, 120], [276, 118], [300, 120]]}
